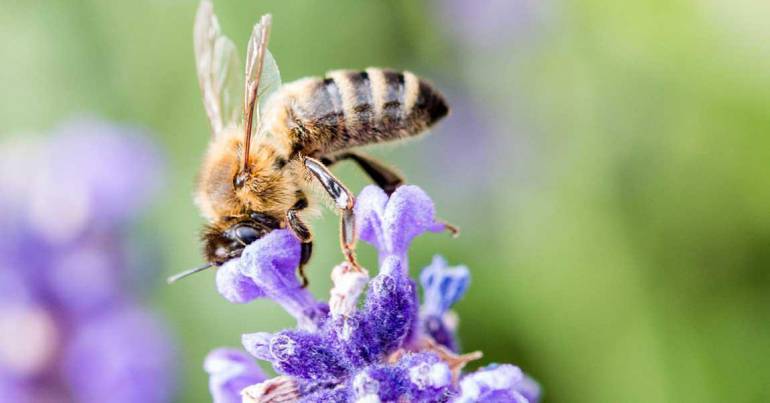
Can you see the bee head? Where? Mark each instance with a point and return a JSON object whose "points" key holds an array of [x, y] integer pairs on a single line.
{"points": [[226, 240]]}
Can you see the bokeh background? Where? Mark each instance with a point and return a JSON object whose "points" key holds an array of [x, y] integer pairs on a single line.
{"points": [[608, 162]]}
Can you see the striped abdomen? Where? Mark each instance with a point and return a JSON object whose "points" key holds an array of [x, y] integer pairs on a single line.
{"points": [[349, 109]]}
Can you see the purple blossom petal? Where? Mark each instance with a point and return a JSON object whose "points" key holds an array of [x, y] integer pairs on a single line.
{"points": [[122, 356], [418, 377], [234, 286], [530, 389], [230, 371], [443, 286], [390, 224], [270, 264], [327, 395], [299, 353], [498, 383]]}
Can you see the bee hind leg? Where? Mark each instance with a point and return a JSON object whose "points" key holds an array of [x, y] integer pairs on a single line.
{"points": [[344, 201], [302, 232], [384, 176]]}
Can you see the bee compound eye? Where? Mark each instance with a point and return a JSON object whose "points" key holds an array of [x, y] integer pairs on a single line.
{"points": [[246, 234]]}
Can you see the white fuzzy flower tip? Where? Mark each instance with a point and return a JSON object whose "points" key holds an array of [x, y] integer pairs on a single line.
{"points": [[349, 283]]}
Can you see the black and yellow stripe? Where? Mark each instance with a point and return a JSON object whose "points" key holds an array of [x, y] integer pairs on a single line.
{"points": [[353, 108]]}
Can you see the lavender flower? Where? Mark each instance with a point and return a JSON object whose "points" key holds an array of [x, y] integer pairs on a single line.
{"points": [[489, 24], [230, 371], [387, 350], [70, 330], [443, 287]]}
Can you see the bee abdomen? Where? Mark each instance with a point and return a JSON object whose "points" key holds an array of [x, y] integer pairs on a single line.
{"points": [[349, 109]]}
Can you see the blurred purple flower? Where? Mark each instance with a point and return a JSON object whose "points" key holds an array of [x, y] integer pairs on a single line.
{"points": [[490, 23], [69, 330], [121, 356], [380, 351]]}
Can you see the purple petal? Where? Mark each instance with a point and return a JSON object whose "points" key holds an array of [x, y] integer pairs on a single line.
{"points": [[234, 286], [498, 383], [267, 268], [390, 224], [299, 353], [418, 377], [230, 371], [529, 388], [258, 345], [443, 286]]}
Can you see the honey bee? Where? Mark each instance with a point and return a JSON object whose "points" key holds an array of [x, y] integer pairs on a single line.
{"points": [[259, 170]]}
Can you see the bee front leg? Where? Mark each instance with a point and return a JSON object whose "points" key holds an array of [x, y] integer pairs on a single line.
{"points": [[344, 201], [302, 232]]}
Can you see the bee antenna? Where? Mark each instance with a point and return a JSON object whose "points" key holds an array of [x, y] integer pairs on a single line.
{"points": [[186, 273]]}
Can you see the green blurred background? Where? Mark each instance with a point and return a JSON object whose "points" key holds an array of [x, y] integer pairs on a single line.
{"points": [[607, 161]]}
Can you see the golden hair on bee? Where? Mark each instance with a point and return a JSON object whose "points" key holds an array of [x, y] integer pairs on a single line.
{"points": [[264, 160]]}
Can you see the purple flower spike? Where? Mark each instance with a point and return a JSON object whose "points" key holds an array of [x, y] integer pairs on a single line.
{"points": [[443, 287], [388, 317], [499, 383], [380, 350], [230, 371], [390, 224], [391, 306], [267, 269]]}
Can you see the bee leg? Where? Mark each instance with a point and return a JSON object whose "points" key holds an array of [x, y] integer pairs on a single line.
{"points": [[344, 201], [307, 251], [383, 175], [302, 232]]}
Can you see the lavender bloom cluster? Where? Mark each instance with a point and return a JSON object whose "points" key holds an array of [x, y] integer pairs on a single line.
{"points": [[70, 331], [386, 348]]}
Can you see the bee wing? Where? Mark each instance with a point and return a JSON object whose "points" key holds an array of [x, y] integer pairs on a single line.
{"points": [[262, 74], [218, 70]]}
